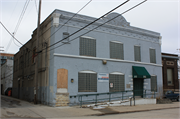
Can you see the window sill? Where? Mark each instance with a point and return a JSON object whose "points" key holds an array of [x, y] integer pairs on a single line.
{"points": [[170, 84], [87, 56]]}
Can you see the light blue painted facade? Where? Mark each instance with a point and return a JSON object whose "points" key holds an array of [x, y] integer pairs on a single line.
{"points": [[67, 56]]}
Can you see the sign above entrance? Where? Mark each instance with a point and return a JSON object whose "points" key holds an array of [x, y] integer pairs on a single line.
{"points": [[103, 77]]}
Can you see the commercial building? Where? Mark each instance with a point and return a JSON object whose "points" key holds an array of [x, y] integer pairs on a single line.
{"points": [[170, 72], [6, 71], [113, 57]]}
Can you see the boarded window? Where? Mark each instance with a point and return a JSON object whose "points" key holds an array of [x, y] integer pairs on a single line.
{"points": [[87, 46], [87, 82], [116, 50], [154, 83], [117, 82], [152, 53], [170, 76], [65, 37], [137, 53]]}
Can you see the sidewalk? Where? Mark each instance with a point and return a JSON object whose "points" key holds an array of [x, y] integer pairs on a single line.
{"points": [[28, 110], [139, 108]]}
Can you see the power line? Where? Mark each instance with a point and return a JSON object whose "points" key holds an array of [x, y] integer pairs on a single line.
{"points": [[99, 25], [36, 6], [13, 10], [95, 27], [19, 21], [22, 14], [48, 28], [86, 25], [12, 35], [68, 19], [51, 26]]}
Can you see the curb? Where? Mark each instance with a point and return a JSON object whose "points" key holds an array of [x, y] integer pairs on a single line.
{"points": [[133, 111]]}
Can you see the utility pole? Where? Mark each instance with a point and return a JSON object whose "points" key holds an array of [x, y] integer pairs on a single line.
{"points": [[36, 59]]}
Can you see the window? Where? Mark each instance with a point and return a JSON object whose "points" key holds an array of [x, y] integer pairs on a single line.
{"points": [[170, 76], [137, 53], [116, 82], [87, 82], [65, 37], [116, 50], [154, 83], [152, 55], [87, 46]]}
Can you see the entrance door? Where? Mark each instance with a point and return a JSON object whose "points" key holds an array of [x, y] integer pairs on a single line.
{"points": [[138, 87]]}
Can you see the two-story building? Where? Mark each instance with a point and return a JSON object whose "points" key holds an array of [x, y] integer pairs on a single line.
{"points": [[113, 57], [6, 72], [170, 72]]}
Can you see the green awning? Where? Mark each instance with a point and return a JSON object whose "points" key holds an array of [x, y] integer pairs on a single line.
{"points": [[140, 72]]}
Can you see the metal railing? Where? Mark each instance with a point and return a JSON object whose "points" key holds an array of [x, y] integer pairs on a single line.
{"points": [[108, 96]]}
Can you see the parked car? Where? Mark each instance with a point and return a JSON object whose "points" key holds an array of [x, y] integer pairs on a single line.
{"points": [[171, 95]]}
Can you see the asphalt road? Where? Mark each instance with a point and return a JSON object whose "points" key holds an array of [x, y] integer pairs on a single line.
{"points": [[156, 114]]}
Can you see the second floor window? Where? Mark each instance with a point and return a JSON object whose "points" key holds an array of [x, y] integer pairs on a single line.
{"points": [[116, 50], [137, 53], [87, 46], [152, 53]]}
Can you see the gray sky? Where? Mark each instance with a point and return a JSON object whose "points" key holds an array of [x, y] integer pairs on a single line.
{"points": [[161, 16]]}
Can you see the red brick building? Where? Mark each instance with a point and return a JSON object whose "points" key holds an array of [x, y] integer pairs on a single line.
{"points": [[170, 72]]}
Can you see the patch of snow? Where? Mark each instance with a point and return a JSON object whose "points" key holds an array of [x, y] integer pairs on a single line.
{"points": [[98, 107]]}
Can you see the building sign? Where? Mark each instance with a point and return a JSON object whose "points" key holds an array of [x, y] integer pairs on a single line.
{"points": [[111, 85], [103, 77]]}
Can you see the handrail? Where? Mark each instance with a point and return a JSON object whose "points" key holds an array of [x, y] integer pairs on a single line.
{"points": [[95, 99]]}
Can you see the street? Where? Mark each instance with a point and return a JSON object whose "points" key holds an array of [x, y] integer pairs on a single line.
{"points": [[14, 108]]}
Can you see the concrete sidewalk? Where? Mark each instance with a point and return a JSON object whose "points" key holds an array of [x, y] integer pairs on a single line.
{"points": [[138, 108], [14, 108]]}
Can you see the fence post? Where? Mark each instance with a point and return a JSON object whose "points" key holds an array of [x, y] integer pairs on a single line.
{"points": [[109, 97], [81, 102], [96, 100], [122, 96], [145, 94]]}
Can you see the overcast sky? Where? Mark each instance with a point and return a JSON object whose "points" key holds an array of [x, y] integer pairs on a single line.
{"points": [[161, 16]]}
